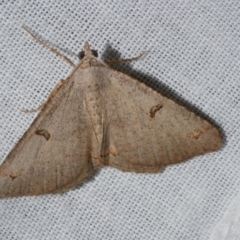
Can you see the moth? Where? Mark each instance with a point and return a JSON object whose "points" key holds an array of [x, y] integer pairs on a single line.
{"points": [[98, 117]]}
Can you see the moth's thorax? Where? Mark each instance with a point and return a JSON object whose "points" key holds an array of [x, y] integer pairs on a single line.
{"points": [[89, 61], [91, 85]]}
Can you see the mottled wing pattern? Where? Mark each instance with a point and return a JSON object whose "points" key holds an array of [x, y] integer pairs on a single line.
{"points": [[146, 130], [53, 154]]}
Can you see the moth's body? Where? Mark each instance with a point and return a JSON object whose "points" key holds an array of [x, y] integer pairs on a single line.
{"points": [[97, 117]]}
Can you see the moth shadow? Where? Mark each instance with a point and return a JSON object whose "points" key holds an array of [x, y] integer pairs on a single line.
{"points": [[159, 86]]}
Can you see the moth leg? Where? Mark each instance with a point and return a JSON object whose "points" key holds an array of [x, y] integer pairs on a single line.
{"points": [[48, 47], [125, 59], [33, 109], [53, 92]]}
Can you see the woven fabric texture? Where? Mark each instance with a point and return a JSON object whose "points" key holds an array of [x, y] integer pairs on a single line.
{"points": [[193, 57]]}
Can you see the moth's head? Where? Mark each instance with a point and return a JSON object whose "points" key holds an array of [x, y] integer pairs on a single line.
{"points": [[87, 52]]}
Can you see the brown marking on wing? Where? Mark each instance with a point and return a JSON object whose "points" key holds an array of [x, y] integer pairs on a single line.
{"points": [[154, 109], [113, 150], [196, 134], [43, 133], [13, 176]]}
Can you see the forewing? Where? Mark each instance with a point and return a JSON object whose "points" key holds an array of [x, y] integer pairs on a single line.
{"points": [[146, 130], [53, 154]]}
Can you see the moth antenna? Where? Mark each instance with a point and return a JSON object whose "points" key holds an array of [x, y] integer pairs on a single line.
{"points": [[126, 59], [48, 47]]}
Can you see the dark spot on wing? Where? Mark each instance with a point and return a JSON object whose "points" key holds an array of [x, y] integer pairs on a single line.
{"points": [[13, 176], [43, 133], [154, 109]]}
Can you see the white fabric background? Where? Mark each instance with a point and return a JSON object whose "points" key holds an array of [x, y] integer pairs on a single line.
{"points": [[193, 57]]}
